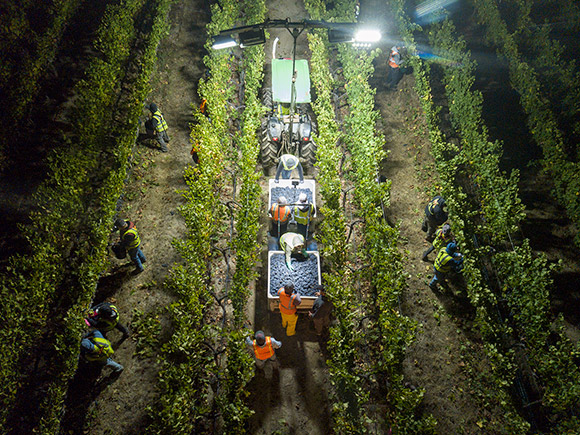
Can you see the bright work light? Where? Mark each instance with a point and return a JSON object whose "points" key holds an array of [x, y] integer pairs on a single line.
{"points": [[223, 41], [367, 35]]}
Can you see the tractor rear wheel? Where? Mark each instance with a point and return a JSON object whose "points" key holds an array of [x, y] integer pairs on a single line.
{"points": [[268, 151], [308, 149], [267, 98]]}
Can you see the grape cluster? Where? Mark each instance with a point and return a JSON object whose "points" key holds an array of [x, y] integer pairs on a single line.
{"points": [[304, 276], [291, 194]]}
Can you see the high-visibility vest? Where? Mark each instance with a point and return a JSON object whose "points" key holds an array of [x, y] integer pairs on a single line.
{"points": [[136, 241], [441, 240], [289, 162], [264, 352], [392, 61], [443, 262], [301, 216], [286, 302], [280, 213], [161, 124], [102, 350]]}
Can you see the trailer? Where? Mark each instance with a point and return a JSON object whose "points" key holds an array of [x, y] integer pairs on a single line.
{"points": [[306, 274], [305, 277]]}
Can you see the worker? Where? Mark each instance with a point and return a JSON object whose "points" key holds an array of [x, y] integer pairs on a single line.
{"points": [[130, 240], [264, 349], [289, 300], [303, 214], [448, 259], [287, 164], [320, 313], [435, 215], [293, 244], [105, 318], [157, 127], [194, 151], [280, 214], [443, 236], [394, 73], [96, 348]]}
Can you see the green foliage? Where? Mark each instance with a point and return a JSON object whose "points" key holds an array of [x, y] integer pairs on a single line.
{"points": [[27, 50], [47, 292], [542, 122], [391, 332], [222, 361], [147, 328]]}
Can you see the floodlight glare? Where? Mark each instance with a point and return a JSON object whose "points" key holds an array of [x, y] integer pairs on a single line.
{"points": [[367, 35], [223, 41]]}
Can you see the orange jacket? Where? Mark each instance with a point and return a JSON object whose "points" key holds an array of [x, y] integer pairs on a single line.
{"points": [[264, 352], [394, 58], [280, 213], [287, 302]]}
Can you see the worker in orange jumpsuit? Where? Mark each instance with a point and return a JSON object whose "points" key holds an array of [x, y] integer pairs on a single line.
{"points": [[264, 349], [289, 300]]}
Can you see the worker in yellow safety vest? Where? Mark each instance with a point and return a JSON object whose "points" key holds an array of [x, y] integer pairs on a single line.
{"points": [[96, 348], [293, 245], [443, 236], [263, 347], [303, 214], [289, 300], [448, 259], [287, 164], [130, 240], [157, 127]]}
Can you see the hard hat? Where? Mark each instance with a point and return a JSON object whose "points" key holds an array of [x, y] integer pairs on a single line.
{"points": [[451, 248], [260, 337], [153, 107], [302, 197], [282, 200]]}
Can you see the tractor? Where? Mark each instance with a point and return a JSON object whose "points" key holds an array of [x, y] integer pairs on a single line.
{"points": [[288, 125]]}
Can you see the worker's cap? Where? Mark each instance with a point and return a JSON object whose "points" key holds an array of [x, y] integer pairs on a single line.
{"points": [[302, 197], [282, 200], [153, 107], [451, 248], [260, 337], [120, 223], [446, 229]]}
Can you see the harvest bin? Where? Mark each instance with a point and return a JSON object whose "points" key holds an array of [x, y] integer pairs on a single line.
{"points": [[291, 191], [308, 271]]}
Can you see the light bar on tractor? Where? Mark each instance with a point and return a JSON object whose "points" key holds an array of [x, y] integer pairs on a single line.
{"points": [[246, 36]]}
